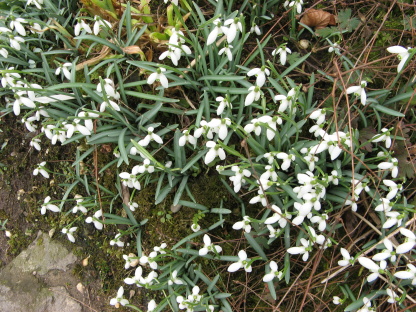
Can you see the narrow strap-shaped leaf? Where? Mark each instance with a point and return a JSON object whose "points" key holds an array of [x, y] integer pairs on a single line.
{"points": [[122, 147], [255, 245]]}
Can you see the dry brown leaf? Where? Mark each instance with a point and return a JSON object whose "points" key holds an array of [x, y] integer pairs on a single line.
{"points": [[317, 18], [134, 49]]}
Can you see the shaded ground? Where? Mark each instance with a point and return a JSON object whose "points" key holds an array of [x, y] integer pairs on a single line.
{"points": [[20, 196]]}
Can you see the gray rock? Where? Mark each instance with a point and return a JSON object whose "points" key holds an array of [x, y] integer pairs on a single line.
{"points": [[22, 288]]}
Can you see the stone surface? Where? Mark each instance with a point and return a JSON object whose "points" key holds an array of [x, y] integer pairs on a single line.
{"points": [[25, 283]]}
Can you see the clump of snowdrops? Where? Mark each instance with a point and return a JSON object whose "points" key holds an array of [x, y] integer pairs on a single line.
{"points": [[292, 164]]}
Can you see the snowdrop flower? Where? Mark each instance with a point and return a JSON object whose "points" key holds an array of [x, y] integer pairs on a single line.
{"points": [[393, 297], [117, 241], [287, 101], [69, 232], [409, 243], [287, 159], [385, 136], [76, 126], [215, 32], [402, 53], [37, 3], [238, 178], [15, 42], [137, 279], [282, 51], [393, 188], [96, 219], [170, 54], [159, 76], [150, 137], [146, 167], [109, 103], [359, 91], [351, 202], [376, 270], [270, 173], [174, 279], [408, 274], [175, 2], [321, 220], [99, 24], [16, 23], [260, 73], [35, 143], [32, 64], [271, 123], [384, 206], [130, 180], [204, 129], [337, 300], [366, 307], [307, 180], [79, 206], [392, 164], [243, 262], [234, 26], [255, 29], [310, 160], [150, 259], [386, 253], [278, 216], [334, 177], [393, 217], [82, 26], [253, 95], [41, 169], [186, 137], [109, 89], [269, 156], [160, 249], [88, 117], [273, 232], [47, 206], [214, 151], [208, 246], [195, 227], [64, 69], [22, 98], [30, 126], [334, 48], [191, 301], [347, 259], [254, 125], [149, 279], [319, 115], [119, 298], [245, 224], [297, 3], [260, 198], [273, 273], [10, 78], [151, 306], [4, 52], [227, 51], [133, 206], [224, 102], [359, 186], [221, 126], [304, 249]]}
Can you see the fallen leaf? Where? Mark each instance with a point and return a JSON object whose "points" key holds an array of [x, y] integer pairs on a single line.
{"points": [[317, 18]]}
